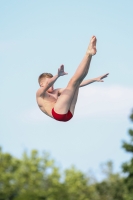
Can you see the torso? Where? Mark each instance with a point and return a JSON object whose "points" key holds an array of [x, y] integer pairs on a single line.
{"points": [[47, 101]]}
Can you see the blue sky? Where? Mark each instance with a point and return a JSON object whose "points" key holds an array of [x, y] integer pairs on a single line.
{"points": [[39, 36]]}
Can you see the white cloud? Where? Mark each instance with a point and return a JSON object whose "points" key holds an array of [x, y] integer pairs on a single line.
{"points": [[104, 101]]}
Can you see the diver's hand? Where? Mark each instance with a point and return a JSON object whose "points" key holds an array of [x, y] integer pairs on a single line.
{"points": [[99, 79], [61, 71]]}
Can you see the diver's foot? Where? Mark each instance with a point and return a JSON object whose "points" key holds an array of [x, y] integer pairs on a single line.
{"points": [[92, 47]]}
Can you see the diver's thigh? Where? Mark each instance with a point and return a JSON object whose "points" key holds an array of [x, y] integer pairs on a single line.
{"points": [[63, 102]]}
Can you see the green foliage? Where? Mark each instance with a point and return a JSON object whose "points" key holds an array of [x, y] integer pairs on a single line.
{"points": [[30, 176], [128, 166], [113, 187], [8, 167], [77, 185], [35, 177]]}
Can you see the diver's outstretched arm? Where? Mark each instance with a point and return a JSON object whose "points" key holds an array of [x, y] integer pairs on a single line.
{"points": [[98, 79]]}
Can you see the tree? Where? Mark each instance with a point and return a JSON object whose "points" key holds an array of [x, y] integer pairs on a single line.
{"points": [[35, 177], [128, 166], [8, 166], [32, 177], [78, 186], [112, 187]]}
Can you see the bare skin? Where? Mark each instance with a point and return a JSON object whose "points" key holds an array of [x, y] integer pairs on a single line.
{"points": [[64, 99]]}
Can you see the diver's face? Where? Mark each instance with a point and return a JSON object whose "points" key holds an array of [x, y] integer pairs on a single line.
{"points": [[43, 83]]}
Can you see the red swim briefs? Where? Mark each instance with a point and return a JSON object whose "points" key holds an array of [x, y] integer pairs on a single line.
{"points": [[62, 117]]}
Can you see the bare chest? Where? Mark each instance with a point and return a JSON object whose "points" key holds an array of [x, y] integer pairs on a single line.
{"points": [[46, 102], [51, 97]]}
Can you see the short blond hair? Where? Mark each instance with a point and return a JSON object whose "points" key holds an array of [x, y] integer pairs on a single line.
{"points": [[44, 75]]}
